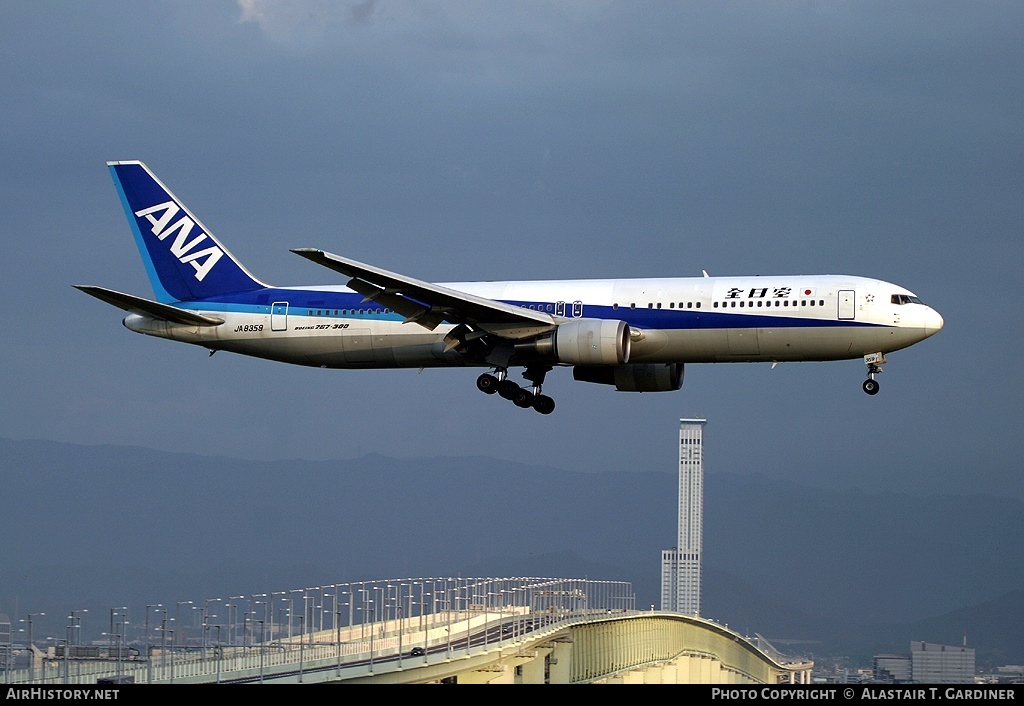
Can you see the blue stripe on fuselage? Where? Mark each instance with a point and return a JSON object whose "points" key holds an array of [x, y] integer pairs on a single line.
{"points": [[669, 319], [324, 303]]}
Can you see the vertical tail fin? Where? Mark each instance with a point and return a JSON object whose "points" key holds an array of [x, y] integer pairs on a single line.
{"points": [[183, 259]]}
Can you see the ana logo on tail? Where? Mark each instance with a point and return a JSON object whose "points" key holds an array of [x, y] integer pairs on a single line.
{"points": [[160, 217]]}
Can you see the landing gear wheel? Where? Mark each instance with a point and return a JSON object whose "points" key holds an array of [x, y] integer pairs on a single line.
{"points": [[543, 404], [874, 361], [523, 398], [508, 389], [487, 383]]}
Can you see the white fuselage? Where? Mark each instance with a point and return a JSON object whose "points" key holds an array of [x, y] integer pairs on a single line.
{"points": [[672, 320]]}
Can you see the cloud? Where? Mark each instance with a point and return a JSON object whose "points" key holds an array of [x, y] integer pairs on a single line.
{"points": [[305, 22], [451, 24]]}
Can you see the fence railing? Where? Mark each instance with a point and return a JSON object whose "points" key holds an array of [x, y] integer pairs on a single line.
{"points": [[345, 625]]}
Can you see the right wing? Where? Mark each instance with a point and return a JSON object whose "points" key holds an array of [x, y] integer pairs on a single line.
{"points": [[430, 304]]}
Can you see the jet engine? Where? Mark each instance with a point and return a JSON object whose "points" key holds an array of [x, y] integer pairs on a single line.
{"points": [[654, 377], [582, 342]]}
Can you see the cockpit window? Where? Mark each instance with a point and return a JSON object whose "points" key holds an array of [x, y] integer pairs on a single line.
{"points": [[906, 299]]}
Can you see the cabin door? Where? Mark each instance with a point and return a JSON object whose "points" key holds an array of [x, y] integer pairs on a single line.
{"points": [[279, 316], [846, 304]]}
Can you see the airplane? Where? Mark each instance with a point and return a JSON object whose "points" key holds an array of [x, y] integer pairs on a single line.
{"points": [[633, 334]]}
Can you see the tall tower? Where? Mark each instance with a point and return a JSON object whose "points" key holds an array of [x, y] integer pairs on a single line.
{"points": [[681, 565]]}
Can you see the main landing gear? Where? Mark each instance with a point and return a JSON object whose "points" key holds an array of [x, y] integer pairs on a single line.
{"points": [[874, 361], [520, 396]]}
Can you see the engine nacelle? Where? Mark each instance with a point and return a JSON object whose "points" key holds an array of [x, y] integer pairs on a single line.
{"points": [[583, 342], [656, 377]]}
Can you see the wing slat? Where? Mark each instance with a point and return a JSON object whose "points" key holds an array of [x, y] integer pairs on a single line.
{"points": [[430, 304]]}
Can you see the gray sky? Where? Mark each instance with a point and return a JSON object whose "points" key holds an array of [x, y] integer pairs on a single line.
{"points": [[478, 140]]}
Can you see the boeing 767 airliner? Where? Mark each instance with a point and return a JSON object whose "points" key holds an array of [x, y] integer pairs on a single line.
{"points": [[635, 334]]}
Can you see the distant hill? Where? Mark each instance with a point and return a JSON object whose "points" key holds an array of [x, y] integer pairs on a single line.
{"points": [[99, 526], [993, 628]]}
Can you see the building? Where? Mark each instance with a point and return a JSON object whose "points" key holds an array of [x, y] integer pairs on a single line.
{"points": [[927, 663], [941, 664], [891, 669], [681, 565], [669, 580], [6, 645]]}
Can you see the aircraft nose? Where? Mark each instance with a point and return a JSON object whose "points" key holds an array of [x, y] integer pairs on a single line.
{"points": [[932, 322]]}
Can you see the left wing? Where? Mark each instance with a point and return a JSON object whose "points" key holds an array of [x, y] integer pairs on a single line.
{"points": [[429, 304], [146, 307]]}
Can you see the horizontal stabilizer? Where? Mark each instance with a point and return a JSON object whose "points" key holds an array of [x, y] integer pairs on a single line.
{"points": [[146, 307]]}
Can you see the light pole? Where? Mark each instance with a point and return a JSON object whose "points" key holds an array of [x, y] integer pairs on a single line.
{"points": [[433, 615], [110, 641], [273, 609], [254, 619], [337, 614], [10, 655], [67, 645], [205, 630], [163, 639], [337, 629], [373, 627], [245, 633], [291, 611], [318, 606], [31, 648], [405, 605], [362, 622], [323, 607], [382, 606], [305, 616], [261, 649], [183, 629], [302, 643], [448, 617], [218, 651], [502, 603], [171, 631], [469, 619], [122, 634], [487, 605], [282, 614], [113, 612], [8, 647], [401, 621], [206, 624], [78, 619], [67, 649], [423, 595], [149, 646], [196, 623], [76, 623], [351, 607], [252, 607], [232, 617]]}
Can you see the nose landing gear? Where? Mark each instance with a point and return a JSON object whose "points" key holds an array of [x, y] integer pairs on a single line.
{"points": [[522, 397], [874, 361]]}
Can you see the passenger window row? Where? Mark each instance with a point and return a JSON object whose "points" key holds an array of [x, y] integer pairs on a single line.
{"points": [[346, 312], [771, 302], [658, 305]]}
